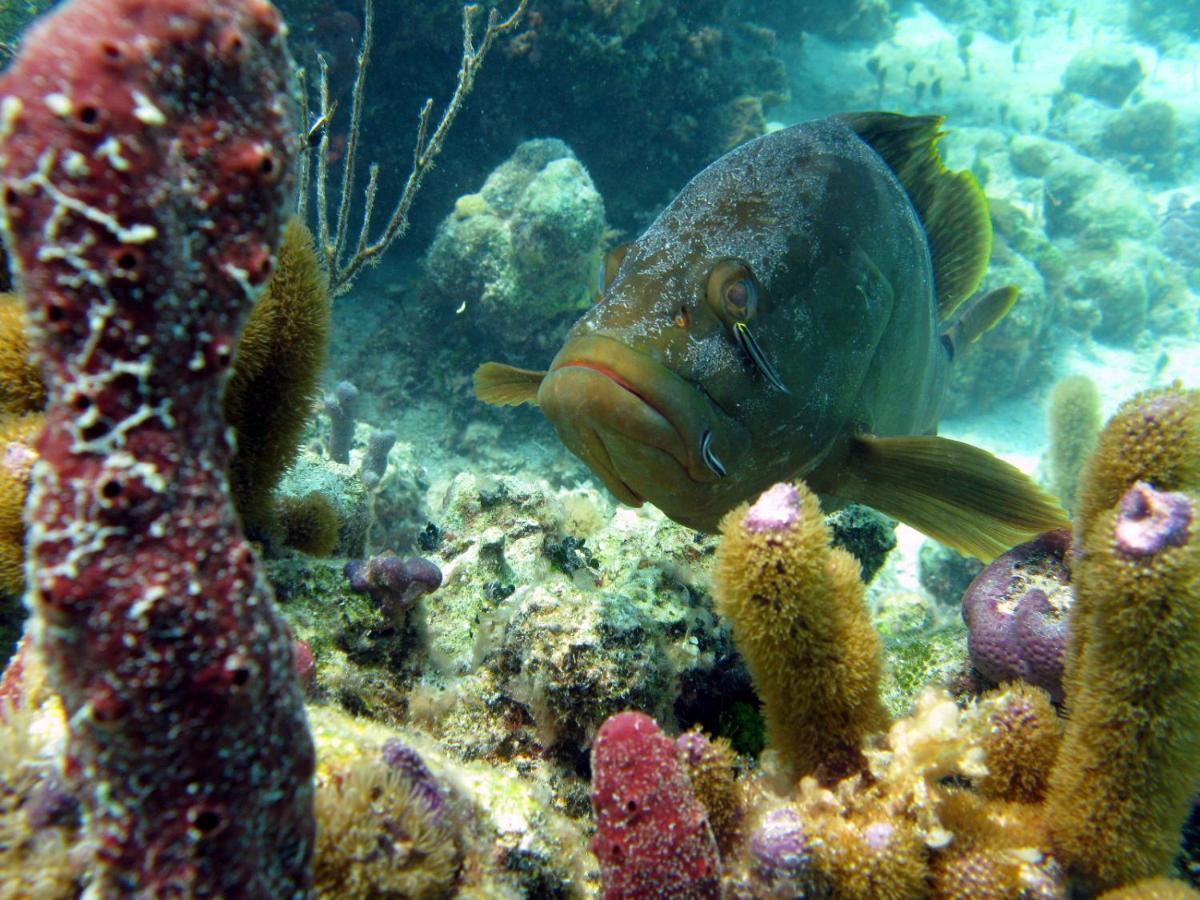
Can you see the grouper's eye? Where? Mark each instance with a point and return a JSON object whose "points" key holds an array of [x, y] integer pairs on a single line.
{"points": [[733, 291], [733, 294]]}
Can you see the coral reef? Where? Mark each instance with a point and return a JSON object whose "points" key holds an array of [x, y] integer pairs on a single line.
{"points": [[188, 743], [993, 796], [664, 92], [798, 610], [524, 249], [1016, 612]]}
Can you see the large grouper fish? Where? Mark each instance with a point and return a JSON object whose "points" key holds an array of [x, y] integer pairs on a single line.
{"points": [[793, 314]]}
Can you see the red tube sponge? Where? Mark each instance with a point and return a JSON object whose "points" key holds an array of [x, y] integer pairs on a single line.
{"points": [[145, 170], [652, 834]]}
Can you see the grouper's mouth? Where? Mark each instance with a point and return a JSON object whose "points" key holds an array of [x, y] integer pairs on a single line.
{"points": [[640, 427]]}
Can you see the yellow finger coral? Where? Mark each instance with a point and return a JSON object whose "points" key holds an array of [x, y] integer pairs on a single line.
{"points": [[21, 387], [1021, 743], [1153, 437], [379, 835], [1125, 778], [17, 434], [800, 621], [1153, 889], [997, 851], [271, 392], [1074, 422], [870, 858]]}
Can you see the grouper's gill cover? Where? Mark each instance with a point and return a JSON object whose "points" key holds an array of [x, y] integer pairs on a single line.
{"points": [[777, 313]]}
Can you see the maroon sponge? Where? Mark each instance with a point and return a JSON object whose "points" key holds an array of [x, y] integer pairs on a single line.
{"points": [[652, 834], [145, 171]]}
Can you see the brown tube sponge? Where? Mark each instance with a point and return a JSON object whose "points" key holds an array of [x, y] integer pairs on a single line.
{"points": [[1074, 422], [800, 620], [271, 393]]}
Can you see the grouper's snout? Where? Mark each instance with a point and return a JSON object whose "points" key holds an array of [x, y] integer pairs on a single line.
{"points": [[636, 423]]}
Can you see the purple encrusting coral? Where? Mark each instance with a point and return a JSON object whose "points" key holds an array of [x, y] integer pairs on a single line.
{"points": [[1016, 614], [393, 582], [408, 763], [1150, 521], [776, 509], [779, 847]]}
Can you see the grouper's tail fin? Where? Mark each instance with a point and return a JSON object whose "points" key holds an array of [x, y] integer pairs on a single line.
{"points": [[959, 494], [952, 205]]}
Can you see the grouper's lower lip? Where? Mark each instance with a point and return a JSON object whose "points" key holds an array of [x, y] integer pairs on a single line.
{"points": [[637, 424], [597, 415]]}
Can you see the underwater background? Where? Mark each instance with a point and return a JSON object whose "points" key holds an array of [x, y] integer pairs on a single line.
{"points": [[472, 604]]}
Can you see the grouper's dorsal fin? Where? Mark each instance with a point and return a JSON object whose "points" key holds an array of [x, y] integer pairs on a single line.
{"points": [[503, 385], [954, 492], [952, 205]]}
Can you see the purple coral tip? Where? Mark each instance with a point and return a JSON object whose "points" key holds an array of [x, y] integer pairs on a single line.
{"points": [[408, 764], [1150, 521], [778, 844], [776, 509]]}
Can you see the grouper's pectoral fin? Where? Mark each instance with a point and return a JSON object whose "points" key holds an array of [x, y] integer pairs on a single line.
{"points": [[954, 492], [503, 385]]}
